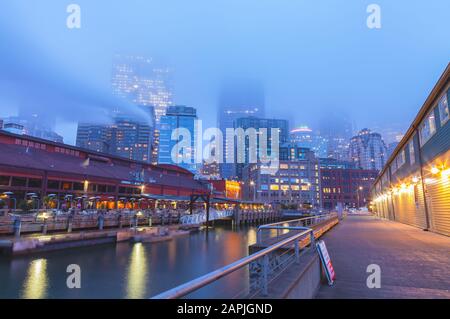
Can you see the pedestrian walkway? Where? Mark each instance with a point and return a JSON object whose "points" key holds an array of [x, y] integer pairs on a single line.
{"points": [[414, 263]]}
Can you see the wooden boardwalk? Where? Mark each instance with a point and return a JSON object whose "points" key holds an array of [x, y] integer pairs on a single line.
{"points": [[414, 263]]}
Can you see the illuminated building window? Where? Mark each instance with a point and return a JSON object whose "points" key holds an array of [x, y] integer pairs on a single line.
{"points": [[412, 155], [427, 128], [274, 187], [443, 109]]}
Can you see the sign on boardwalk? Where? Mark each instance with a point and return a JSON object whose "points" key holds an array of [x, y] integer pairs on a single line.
{"points": [[326, 261]]}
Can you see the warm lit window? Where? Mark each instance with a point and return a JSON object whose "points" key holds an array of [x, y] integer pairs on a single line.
{"points": [[274, 187], [427, 128], [443, 109]]}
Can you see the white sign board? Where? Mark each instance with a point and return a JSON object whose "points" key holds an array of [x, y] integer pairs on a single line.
{"points": [[326, 261]]}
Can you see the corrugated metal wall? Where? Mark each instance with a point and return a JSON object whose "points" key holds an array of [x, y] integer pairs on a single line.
{"points": [[437, 187], [407, 206]]}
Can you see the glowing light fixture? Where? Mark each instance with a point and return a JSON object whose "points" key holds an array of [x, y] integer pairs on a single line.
{"points": [[434, 170]]}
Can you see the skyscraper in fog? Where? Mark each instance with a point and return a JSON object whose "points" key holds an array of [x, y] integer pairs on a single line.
{"points": [[139, 81], [31, 124], [303, 136], [258, 123], [337, 128], [238, 98], [368, 150], [178, 117]]}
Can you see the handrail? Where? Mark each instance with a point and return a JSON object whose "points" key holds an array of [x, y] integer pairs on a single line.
{"points": [[204, 280], [296, 220]]}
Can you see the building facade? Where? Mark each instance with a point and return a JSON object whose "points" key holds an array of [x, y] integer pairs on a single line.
{"points": [[93, 137], [295, 183], [347, 186], [256, 123], [136, 79], [178, 117], [127, 136], [368, 150], [414, 185], [41, 167], [303, 136], [238, 98]]}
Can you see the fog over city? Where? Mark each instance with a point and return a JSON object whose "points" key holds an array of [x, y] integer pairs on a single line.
{"points": [[311, 58]]}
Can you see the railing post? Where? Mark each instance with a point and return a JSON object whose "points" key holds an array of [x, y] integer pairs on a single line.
{"points": [[297, 251], [264, 273], [100, 221], [44, 227], [69, 223], [312, 240], [258, 236], [17, 226]]}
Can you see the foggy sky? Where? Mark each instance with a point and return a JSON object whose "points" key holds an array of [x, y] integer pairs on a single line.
{"points": [[311, 56]]}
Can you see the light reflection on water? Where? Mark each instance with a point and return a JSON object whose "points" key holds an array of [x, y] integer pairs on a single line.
{"points": [[127, 270], [36, 283], [137, 273]]}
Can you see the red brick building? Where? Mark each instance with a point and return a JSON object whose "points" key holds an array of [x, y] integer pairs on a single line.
{"points": [[348, 186]]}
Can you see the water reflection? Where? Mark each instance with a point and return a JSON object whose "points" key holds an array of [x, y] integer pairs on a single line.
{"points": [[136, 281], [36, 282], [251, 236]]}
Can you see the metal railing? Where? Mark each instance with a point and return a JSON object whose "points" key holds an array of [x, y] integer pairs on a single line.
{"points": [[265, 265], [201, 217], [277, 230], [264, 274]]}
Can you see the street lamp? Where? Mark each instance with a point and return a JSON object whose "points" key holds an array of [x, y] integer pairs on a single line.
{"points": [[360, 188], [34, 198], [252, 184], [8, 195], [53, 197]]}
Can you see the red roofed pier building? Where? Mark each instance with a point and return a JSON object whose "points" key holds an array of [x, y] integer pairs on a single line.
{"points": [[31, 165]]}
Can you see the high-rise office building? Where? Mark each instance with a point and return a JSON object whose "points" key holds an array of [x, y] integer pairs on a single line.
{"points": [[296, 182], [238, 98], [256, 123], [368, 150], [337, 128], [303, 136], [127, 136], [131, 138], [137, 80], [93, 137], [390, 148], [178, 117]]}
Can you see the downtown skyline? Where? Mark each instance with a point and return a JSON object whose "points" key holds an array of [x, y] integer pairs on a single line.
{"points": [[367, 63]]}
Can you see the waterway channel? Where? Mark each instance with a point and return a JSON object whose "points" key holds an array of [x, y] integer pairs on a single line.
{"points": [[130, 270]]}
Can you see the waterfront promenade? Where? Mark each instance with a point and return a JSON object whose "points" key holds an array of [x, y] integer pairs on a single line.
{"points": [[414, 263]]}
